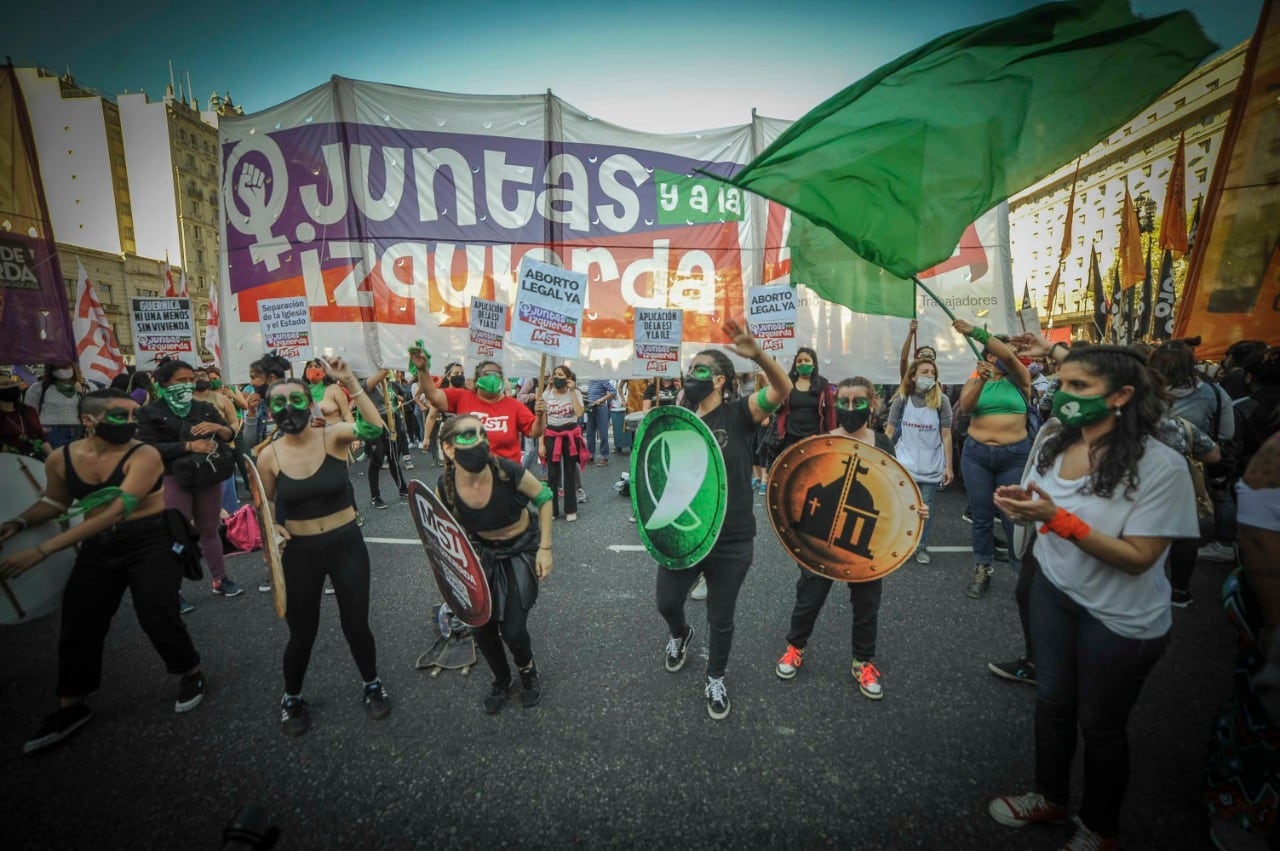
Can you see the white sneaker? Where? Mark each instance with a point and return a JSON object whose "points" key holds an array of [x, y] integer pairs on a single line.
{"points": [[923, 556], [1217, 551], [582, 495], [699, 591]]}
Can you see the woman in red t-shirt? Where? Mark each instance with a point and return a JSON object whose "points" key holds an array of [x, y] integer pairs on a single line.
{"points": [[505, 420]]}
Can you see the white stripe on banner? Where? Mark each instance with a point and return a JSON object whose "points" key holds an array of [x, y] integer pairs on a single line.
{"points": [[406, 541]]}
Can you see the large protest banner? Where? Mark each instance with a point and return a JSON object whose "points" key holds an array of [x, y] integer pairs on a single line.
{"points": [[771, 314], [162, 327], [657, 334], [391, 208]]}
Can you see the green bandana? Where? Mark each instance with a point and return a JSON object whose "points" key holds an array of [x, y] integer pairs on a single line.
{"points": [[178, 397], [100, 497]]}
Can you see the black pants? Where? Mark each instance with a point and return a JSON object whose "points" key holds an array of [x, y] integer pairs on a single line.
{"points": [[811, 594], [136, 555], [1088, 677], [379, 452], [725, 568], [564, 474], [1027, 571], [341, 555], [1183, 553], [513, 629]]}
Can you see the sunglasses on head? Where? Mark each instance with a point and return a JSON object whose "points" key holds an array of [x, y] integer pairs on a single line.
{"points": [[296, 399], [852, 404], [467, 437]]}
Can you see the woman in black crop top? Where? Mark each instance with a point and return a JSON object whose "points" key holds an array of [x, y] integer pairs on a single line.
{"points": [[124, 543], [489, 496], [306, 470]]}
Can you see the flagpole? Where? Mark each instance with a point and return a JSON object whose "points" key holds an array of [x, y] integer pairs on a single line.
{"points": [[945, 310]]}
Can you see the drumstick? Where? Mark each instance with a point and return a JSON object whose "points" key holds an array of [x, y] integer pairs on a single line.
{"points": [[13, 601]]}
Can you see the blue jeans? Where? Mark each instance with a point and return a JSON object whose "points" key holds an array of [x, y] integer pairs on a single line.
{"points": [[60, 435], [1087, 677], [598, 424], [985, 469], [928, 490]]}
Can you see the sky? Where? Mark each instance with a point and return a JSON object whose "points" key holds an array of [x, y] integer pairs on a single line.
{"points": [[658, 66]]}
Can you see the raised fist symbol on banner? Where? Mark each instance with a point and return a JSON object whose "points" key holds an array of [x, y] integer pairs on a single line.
{"points": [[254, 197]]}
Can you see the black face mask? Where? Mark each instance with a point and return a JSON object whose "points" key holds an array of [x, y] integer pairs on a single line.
{"points": [[473, 459], [202, 385], [853, 419], [697, 389], [117, 434], [560, 383], [291, 420], [457, 381], [10, 394]]}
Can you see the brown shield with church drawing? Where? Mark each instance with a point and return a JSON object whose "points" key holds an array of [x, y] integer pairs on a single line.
{"points": [[844, 509]]}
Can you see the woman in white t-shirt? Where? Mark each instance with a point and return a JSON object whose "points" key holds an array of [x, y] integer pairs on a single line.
{"points": [[1108, 497], [920, 427], [561, 448]]}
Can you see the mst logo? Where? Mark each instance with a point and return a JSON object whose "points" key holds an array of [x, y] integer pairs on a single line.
{"points": [[545, 337]]}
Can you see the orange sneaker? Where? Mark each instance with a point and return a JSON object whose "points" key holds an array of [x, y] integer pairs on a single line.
{"points": [[790, 663], [868, 677]]}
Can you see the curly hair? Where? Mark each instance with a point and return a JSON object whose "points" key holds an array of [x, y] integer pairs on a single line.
{"points": [[723, 366], [1113, 458]]}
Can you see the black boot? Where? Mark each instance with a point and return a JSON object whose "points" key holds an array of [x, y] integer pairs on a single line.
{"points": [[497, 698], [532, 686]]}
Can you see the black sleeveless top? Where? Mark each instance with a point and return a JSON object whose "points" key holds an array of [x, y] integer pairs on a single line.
{"points": [[506, 503], [79, 488], [318, 495]]}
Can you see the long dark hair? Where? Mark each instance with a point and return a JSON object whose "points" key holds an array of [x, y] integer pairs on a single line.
{"points": [[723, 366], [817, 383], [448, 430], [1114, 457]]}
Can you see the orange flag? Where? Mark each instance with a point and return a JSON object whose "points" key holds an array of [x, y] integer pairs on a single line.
{"points": [[1132, 268], [1173, 224]]}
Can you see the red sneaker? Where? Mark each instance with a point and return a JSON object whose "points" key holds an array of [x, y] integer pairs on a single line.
{"points": [[790, 663]]}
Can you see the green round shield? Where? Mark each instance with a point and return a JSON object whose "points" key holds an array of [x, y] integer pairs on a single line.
{"points": [[678, 486]]}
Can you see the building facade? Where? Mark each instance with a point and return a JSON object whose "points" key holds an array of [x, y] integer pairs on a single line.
{"points": [[1139, 155], [132, 187]]}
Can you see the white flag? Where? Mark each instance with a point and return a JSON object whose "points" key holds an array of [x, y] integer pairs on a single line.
{"points": [[96, 347], [211, 342], [182, 285]]}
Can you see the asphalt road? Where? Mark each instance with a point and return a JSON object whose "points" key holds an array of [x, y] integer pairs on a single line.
{"points": [[619, 753]]}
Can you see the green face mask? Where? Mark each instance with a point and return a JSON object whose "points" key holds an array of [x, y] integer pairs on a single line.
{"points": [[804, 369], [1078, 411], [490, 383], [178, 396], [215, 383]]}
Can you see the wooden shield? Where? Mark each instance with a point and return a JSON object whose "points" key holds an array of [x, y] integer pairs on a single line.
{"points": [[679, 489], [37, 592], [458, 571], [844, 509], [270, 541]]}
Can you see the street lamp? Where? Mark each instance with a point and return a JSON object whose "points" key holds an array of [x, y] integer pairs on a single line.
{"points": [[1146, 209]]}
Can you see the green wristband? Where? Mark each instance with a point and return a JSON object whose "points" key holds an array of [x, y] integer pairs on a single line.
{"points": [[981, 335], [543, 497], [762, 401]]}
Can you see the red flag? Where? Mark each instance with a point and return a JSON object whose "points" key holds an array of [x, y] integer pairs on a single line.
{"points": [[1132, 268], [182, 284], [96, 347], [170, 291], [1173, 224]]}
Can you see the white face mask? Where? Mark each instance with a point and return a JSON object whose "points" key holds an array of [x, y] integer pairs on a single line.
{"points": [[64, 374], [924, 383]]}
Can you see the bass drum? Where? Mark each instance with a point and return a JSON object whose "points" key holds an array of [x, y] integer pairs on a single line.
{"points": [[37, 592]]}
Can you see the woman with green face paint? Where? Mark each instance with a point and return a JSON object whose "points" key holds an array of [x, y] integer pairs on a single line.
{"points": [[179, 426], [810, 407], [1107, 497], [505, 419]]}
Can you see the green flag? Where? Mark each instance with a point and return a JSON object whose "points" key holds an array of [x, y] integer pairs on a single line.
{"points": [[898, 164], [825, 265]]}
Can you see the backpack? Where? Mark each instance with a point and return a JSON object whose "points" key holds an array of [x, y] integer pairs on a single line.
{"points": [[243, 531]]}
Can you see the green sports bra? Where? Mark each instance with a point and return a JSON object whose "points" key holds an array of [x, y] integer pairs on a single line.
{"points": [[1001, 396]]}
